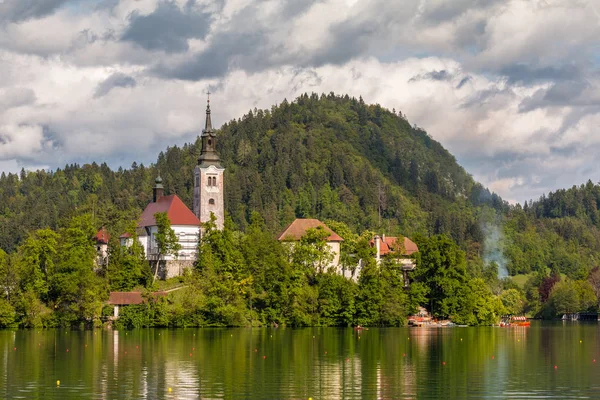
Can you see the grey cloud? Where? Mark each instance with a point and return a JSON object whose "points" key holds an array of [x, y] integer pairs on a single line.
{"points": [[441, 75], [167, 28], [438, 12], [115, 80], [22, 10], [293, 8], [16, 97], [227, 50], [486, 96], [570, 93], [463, 82], [526, 74]]}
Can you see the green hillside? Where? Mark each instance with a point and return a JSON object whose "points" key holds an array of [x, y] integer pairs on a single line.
{"points": [[329, 157]]}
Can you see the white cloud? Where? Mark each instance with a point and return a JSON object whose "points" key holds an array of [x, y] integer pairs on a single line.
{"points": [[508, 87]]}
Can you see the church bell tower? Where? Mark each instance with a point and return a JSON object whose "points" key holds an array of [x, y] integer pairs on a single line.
{"points": [[208, 177]]}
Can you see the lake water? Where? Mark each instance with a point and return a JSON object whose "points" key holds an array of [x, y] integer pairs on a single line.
{"points": [[543, 361]]}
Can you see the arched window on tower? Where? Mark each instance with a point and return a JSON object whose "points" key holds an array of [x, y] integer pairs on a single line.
{"points": [[211, 202], [209, 182], [214, 181]]}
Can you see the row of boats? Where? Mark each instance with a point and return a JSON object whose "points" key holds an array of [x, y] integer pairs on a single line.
{"points": [[505, 322], [514, 321]]}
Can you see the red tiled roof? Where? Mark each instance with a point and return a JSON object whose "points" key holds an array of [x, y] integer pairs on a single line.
{"points": [[125, 235], [298, 228], [102, 236], [176, 210], [391, 243], [127, 298]]}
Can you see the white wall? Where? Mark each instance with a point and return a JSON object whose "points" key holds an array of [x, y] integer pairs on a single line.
{"points": [[204, 193], [188, 239]]}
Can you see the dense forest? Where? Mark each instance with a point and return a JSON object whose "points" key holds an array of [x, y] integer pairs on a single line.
{"points": [[362, 168]]}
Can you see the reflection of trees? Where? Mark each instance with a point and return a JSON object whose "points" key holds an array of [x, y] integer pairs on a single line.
{"points": [[300, 363]]}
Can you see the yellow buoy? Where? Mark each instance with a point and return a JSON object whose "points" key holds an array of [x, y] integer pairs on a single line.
{"points": [[57, 383], [170, 390]]}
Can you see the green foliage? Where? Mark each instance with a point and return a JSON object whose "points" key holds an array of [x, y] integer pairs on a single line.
{"points": [[128, 267], [569, 297], [75, 290], [441, 266], [513, 301], [359, 167], [7, 314]]}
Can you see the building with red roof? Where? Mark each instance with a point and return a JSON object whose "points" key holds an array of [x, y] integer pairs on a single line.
{"points": [[386, 245], [298, 228], [119, 299], [208, 200], [101, 239], [294, 232], [398, 249], [401, 248], [184, 223]]}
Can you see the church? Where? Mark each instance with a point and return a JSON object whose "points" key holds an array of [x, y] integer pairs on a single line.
{"points": [[208, 198]]}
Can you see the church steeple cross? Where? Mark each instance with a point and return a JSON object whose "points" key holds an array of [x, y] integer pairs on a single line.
{"points": [[208, 126]]}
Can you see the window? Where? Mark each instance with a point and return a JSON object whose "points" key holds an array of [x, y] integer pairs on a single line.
{"points": [[209, 183], [209, 142], [214, 179], [211, 202], [197, 180]]}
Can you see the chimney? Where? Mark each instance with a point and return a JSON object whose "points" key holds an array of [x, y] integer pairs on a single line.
{"points": [[158, 191], [377, 248]]}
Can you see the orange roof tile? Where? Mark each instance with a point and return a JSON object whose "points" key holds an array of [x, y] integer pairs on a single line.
{"points": [[127, 298], [102, 236], [391, 243], [177, 211], [298, 228]]}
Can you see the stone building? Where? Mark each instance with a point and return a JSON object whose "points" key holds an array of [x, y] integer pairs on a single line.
{"points": [[398, 249], [208, 177], [101, 239], [208, 198], [294, 232], [183, 222]]}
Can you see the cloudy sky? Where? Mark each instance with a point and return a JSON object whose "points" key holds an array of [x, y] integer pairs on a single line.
{"points": [[510, 87]]}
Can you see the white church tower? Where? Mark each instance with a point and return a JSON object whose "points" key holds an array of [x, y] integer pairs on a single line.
{"points": [[208, 177]]}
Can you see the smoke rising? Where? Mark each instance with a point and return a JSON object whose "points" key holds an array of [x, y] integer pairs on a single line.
{"points": [[493, 248]]}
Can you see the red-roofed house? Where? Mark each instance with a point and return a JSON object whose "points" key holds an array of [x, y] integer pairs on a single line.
{"points": [[183, 222], [298, 228], [400, 248], [101, 238], [119, 299], [208, 200]]}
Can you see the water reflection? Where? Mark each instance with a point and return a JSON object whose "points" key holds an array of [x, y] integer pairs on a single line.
{"points": [[288, 363]]}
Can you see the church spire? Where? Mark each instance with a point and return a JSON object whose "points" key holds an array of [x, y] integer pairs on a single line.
{"points": [[208, 127], [208, 154]]}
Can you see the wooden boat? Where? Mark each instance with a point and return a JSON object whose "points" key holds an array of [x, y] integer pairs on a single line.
{"points": [[515, 321]]}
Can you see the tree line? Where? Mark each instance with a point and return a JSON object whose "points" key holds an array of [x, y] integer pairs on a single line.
{"points": [[329, 157]]}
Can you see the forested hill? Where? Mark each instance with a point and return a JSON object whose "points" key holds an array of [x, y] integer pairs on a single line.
{"points": [[333, 158], [329, 157]]}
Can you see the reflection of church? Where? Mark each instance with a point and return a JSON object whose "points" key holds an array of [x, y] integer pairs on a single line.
{"points": [[208, 198]]}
